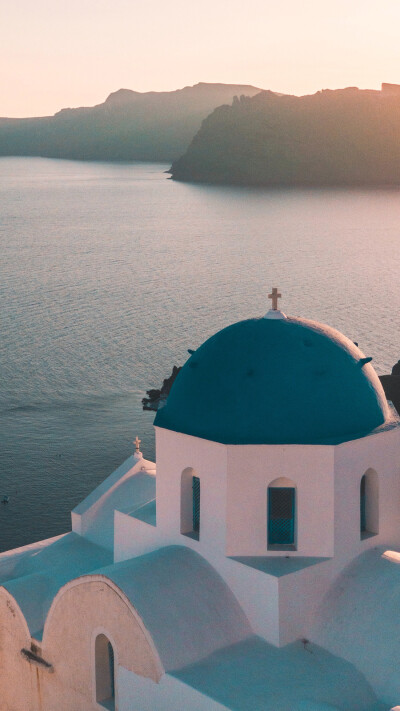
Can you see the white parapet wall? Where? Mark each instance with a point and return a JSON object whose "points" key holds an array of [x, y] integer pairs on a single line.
{"points": [[130, 486]]}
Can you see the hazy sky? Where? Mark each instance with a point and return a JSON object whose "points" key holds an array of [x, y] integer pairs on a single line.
{"points": [[56, 53]]}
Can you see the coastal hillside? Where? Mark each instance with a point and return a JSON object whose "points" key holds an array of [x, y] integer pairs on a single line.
{"points": [[129, 125], [341, 137]]}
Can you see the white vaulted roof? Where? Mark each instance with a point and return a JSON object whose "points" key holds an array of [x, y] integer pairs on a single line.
{"points": [[185, 605]]}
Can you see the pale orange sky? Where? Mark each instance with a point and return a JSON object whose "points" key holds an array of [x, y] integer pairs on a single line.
{"points": [[58, 53]]}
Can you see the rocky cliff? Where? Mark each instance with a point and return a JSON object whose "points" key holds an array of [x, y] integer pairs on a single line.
{"points": [[151, 126], [342, 137]]}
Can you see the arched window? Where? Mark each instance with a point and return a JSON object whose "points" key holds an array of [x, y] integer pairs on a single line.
{"points": [[369, 504], [105, 672], [190, 503], [281, 513]]}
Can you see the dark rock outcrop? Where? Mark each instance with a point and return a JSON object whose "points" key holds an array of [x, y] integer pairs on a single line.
{"points": [[342, 137], [391, 385], [155, 398]]}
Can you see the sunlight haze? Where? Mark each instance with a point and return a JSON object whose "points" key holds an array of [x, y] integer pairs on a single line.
{"points": [[55, 54]]}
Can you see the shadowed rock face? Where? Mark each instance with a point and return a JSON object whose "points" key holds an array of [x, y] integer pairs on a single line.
{"points": [[157, 397], [342, 137], [391, 385], [152, 126]]}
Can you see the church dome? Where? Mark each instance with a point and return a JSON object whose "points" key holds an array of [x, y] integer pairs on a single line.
{"points": [[276, 381]]}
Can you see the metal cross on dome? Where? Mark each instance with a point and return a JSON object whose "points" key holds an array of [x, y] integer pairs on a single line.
{"points": [[137, 442], [275, 296]]}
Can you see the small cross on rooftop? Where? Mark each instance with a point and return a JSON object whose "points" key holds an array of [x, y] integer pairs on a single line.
{"points": [[137, 442], [274, 296]]}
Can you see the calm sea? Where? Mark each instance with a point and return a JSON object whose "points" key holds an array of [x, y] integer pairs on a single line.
{"points": [[110, 272]]}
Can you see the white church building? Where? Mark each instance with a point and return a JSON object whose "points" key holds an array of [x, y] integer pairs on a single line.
{"points": [[256, 569]]}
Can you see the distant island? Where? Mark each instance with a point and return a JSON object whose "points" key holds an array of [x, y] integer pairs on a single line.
{"points": [[230, 134], [151, 126], [341, 137]]}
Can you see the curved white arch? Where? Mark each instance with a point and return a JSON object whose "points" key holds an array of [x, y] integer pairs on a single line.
{"points": [[282, 482], [106, 581], [16, 608]]}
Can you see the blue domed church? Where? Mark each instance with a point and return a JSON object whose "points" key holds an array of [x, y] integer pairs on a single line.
{"points": [[254, 567]]}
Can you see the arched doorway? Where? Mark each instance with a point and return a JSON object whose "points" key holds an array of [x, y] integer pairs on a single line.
{"points": [[105, 672]]}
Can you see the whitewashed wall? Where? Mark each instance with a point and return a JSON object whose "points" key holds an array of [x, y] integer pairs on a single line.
{"points": [[250, 471]]}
